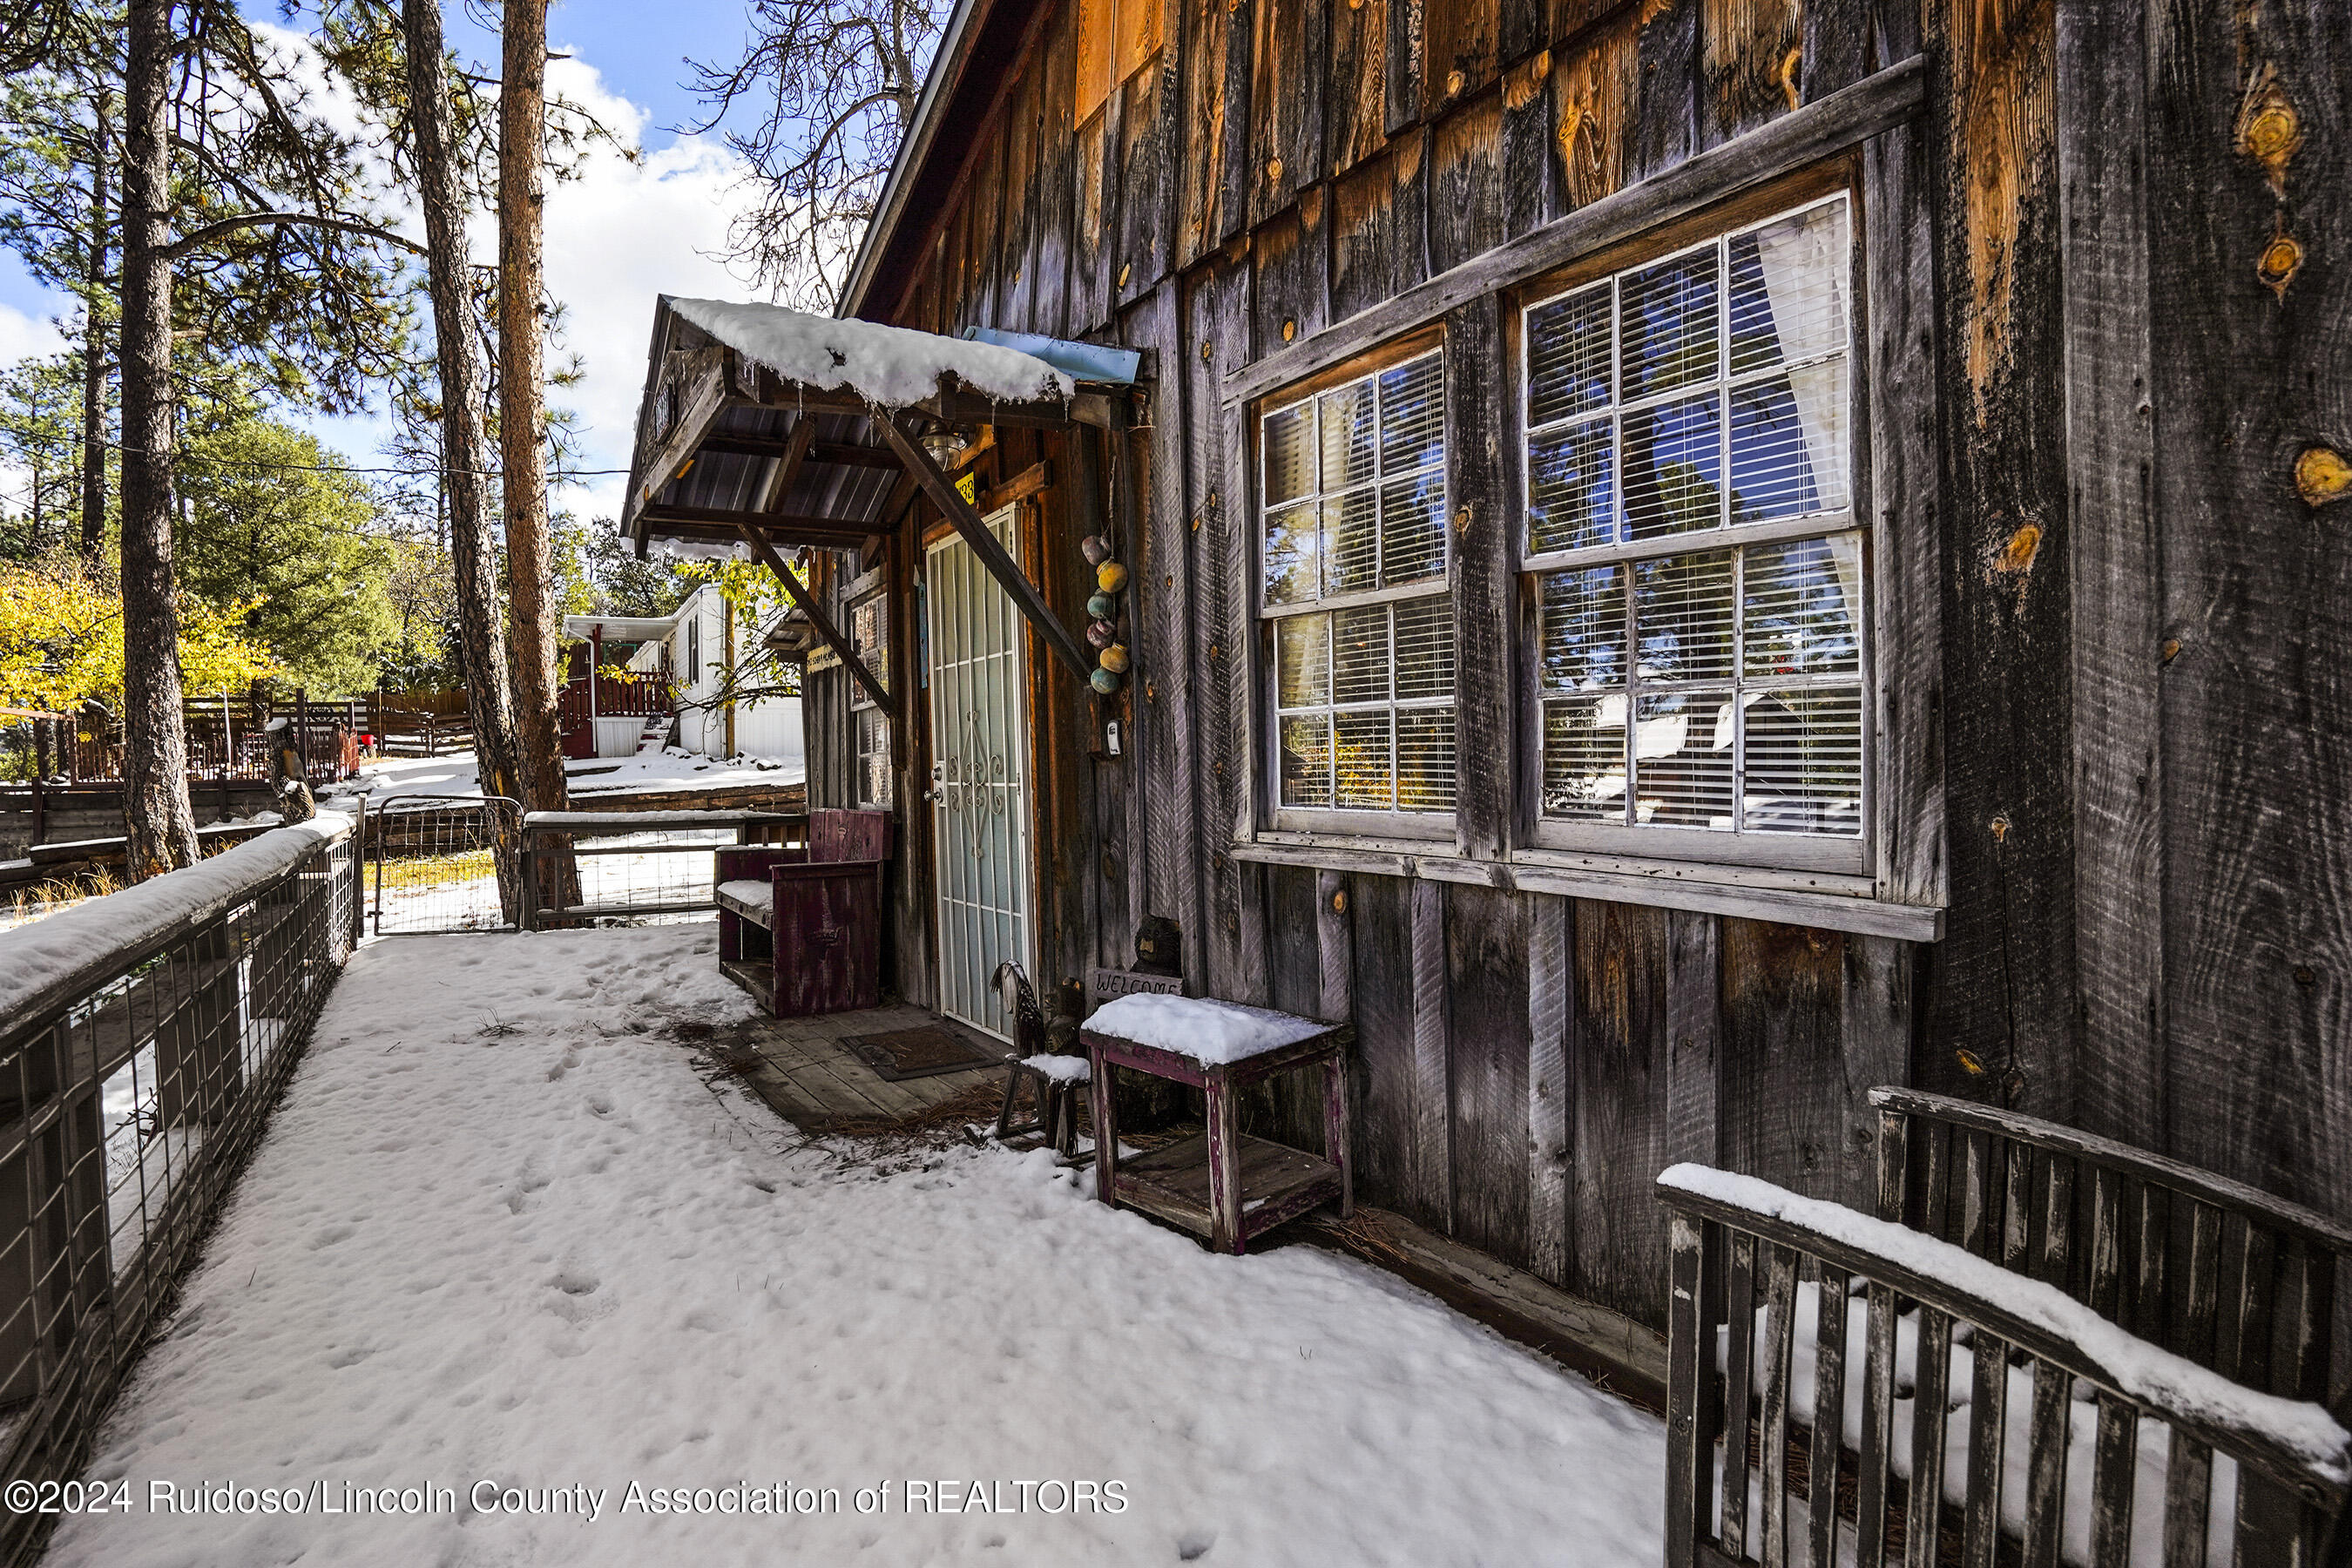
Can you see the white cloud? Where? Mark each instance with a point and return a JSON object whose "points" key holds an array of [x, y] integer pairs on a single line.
{"points": [[23, 337], [616, 237]]}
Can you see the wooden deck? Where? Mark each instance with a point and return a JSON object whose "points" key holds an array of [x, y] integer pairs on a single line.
{"points": [[802, 1069]]}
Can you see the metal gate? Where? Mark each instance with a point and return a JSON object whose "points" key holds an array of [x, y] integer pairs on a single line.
{"points": [[980, 783], [433, 862]]}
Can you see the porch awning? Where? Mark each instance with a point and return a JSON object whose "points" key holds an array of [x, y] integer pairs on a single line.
{"points": [[620, 628], [764, 429]]}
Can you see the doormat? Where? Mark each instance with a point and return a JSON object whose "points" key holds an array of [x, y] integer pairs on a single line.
{"points": [[917, 1053]]}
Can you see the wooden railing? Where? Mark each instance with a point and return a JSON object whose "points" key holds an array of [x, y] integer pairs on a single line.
{"points": [[2017, 1270]]}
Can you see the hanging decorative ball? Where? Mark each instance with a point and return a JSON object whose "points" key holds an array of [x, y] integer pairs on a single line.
{"points": [[1102, 634], [1102, 606], [1105, 681], [1111, 576], [1096, 548], [1114, 659]]}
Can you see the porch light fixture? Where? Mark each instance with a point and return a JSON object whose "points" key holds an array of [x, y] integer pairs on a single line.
{"points": [[944, 442]]}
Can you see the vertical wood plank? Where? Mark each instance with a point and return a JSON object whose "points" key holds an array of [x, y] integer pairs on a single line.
{"points": [[1286, 104], [1829, 1420], [1873, 1447], [1483, 563], [1618, 1074], [1163, 565], [2188, 1500], [1057, 173], [1529, 197], [2114, 1472], [1549, 1150], [1874, 1030], [1139, 254], [1593, 90], [1694, 1062], [1788, 1101], [1750, 66], [1690, 1442], [1432, 1085], [1211, 129], [1465, 213], [1354, 102], [1406, 26], [1464, 48], [2045, 1483], [1487, 987], [1385, 1061], [1364, 237], [2115, 575], [1781, 1300], [1335, 1000], [1666, 105], [1738, 1390], [1922, 1518]]}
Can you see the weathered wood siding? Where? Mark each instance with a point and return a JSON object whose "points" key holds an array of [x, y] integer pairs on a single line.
{"points": [[2117, 730]]}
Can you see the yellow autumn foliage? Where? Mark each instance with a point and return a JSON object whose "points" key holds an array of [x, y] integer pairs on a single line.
{"points": [[61, 639]]}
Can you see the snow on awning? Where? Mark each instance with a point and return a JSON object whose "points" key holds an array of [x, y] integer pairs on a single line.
{"points": [[894, 366]]}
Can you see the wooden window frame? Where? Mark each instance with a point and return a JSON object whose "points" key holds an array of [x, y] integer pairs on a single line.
{"points": [[1797, 853], [1275, 820], [861, 702]]}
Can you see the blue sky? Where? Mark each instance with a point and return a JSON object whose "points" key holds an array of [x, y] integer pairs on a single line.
{"points": [[615, 237]]}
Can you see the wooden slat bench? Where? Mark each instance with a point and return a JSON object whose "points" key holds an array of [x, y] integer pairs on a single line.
{"points": [[2018, 1250], [800, 926]]}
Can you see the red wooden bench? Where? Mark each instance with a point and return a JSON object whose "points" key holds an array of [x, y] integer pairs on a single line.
{"points": [[801, 927]]}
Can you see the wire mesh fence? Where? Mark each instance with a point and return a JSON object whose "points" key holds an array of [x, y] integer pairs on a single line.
{"points": [[432, 863], [131, 1089], [587, 868]]}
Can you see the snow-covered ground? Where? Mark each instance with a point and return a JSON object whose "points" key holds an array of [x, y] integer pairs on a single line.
{"points": [[502, 1232], [455, 774]]}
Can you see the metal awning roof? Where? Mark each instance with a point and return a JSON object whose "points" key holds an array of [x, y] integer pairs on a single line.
{"points": [[620, 628]]}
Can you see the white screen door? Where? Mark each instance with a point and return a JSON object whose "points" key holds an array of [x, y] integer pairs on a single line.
{"points": [[979, 799]]}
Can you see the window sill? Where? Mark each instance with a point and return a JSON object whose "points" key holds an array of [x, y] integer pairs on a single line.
{"points": [[1808, 898]]}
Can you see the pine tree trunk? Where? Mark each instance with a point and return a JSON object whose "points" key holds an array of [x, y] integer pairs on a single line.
{"points": [[93, 356], [489, 702], [522, 114], [160, 820]]}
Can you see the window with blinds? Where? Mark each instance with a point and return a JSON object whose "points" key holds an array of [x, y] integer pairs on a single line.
{"points": [[1700, 576], [869, 637], [1353, 591]]}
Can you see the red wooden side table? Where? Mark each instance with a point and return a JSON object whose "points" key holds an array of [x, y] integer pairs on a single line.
{"points": [[1223, 1184]]}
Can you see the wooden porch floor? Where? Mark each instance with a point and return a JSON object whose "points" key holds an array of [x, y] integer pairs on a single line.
{"points": [[802, 1069]]}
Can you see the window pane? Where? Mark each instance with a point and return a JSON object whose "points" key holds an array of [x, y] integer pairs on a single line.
{"points": [[1673, 467], [1365, 766], [1682, 760], [1568, 356], [1307, 760], [1788, 282], [1412, 529], [1412, 415], [1289, 454], [1291, 571], [1584, 759], [1424, 648], [1359, 641], [1302, 658], [1803, 757], [1797, 616], [1666, 323], [1571, 496], [1351, 542], [1424, 740], [1347, 420], [1682, 617], [1788, 448], [1584, 628]]}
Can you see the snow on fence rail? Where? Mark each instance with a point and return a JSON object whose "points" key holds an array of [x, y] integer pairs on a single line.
{"points": [[2057, 1436], [143, 1038]]}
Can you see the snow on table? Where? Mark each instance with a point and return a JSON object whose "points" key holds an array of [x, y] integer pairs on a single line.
{"points": [[501, 1231], [1211, 1033], [1061, 1069]]}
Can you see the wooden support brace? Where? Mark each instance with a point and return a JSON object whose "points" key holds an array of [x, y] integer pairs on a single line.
{"points": [[969, 523], [815, 613]]}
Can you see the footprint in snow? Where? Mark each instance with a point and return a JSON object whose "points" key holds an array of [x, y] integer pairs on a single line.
{"points": [[1194, 1544]]}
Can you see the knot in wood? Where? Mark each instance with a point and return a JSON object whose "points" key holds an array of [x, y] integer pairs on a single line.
{"points": [[2282, 258], [1454, 80], [2322, 475]]}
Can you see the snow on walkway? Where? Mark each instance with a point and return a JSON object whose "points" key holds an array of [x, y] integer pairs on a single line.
{"points": [[501, 1231]]}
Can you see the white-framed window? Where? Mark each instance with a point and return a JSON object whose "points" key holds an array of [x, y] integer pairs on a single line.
{"points": [[1353, 593], [869, 636], [1702, 640]]}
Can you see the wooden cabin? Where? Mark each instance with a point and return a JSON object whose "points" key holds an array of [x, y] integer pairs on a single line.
{"points": [[1684, 559]]}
